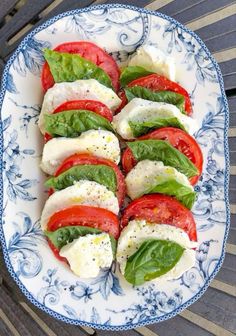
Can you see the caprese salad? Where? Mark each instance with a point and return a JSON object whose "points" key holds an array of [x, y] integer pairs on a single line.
{"points": [[89, 105]]}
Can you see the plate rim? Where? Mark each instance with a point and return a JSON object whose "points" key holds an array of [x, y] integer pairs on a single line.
{"points": [[10, 269]]}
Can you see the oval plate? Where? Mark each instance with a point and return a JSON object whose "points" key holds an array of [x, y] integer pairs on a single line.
{"points": [[108, 302]]}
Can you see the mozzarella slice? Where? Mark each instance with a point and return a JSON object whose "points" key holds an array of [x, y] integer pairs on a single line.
{"points": [[87, 254], [82, 192], [98, 142], [80, 89], [147, 174], [137, 231], [154, 60], [141, 110]]}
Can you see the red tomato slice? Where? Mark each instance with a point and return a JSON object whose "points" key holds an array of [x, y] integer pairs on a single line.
{"points": [[81, 215], [161, 209], [55, 251], [90, 105], [92, 53], [80, 159], [156, 82], [182, 141]]}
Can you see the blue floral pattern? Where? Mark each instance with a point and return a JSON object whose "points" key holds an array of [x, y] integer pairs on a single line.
{"points": [[22, 245], [107, 302]]}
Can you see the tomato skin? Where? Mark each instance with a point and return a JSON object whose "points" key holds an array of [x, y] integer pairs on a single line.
{"points": [[178, 139], [128, 160], [161, 209], [89, 51], [55, 251], [82, 215], [182, 141], [156, 82], [80, 159], [90, 105]]}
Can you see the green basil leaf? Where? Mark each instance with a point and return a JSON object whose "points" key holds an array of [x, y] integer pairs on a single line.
{"points": [[74, 122], [171, 187], [101, 174], [160, 150], [153, 258], [67, 234], [168, 97], [67, 67], [132, 72], [141, 128]]}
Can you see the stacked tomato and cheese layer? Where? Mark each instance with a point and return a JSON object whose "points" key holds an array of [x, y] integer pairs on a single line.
{"points": [[81, 153], [162, 162]]}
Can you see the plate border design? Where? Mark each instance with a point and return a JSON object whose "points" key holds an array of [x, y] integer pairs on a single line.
{"points": [[226, 184]]}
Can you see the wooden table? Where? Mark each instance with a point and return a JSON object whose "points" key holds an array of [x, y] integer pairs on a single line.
{"points": [[215, 312]]}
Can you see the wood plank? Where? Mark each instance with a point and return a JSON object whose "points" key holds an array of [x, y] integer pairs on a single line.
{"points": [[23, 16], [230, 81], [223, 287], [225, 55], [5, 7], [218, 28], [8, 323], [178, 326], [145, 331], [19, 318], [159, 4], [202, 8], [232, 104], [179, 6], [211, 18], [228, 40], [231, 248], [227, 273], [61, 7], [217, 307], [204, 323]]}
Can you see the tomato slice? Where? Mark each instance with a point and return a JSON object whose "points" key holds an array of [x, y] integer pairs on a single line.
{"points": [[92, 53], [56, 252], [156, 82], [90, 105], [161, 209], [83, 215], [182, 141], [80, 159]]}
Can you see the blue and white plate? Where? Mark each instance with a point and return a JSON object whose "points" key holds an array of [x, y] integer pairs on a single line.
{"points": [[108, 302]]}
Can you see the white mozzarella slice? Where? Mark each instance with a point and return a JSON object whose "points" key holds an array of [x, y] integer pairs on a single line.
{"points": [[154, 60], [138, 231], [80, 89], [88, 254], [141, 110], [147, 174], [83, 192], [100, 143]]}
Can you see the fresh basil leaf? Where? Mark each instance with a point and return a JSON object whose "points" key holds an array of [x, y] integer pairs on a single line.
{"points": [[67, 234], [74, 122], [141, 128], [160, 150], [153, 258], [171, 187], [132, 72], [168, 97], [101, 174], [67, 67]]}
